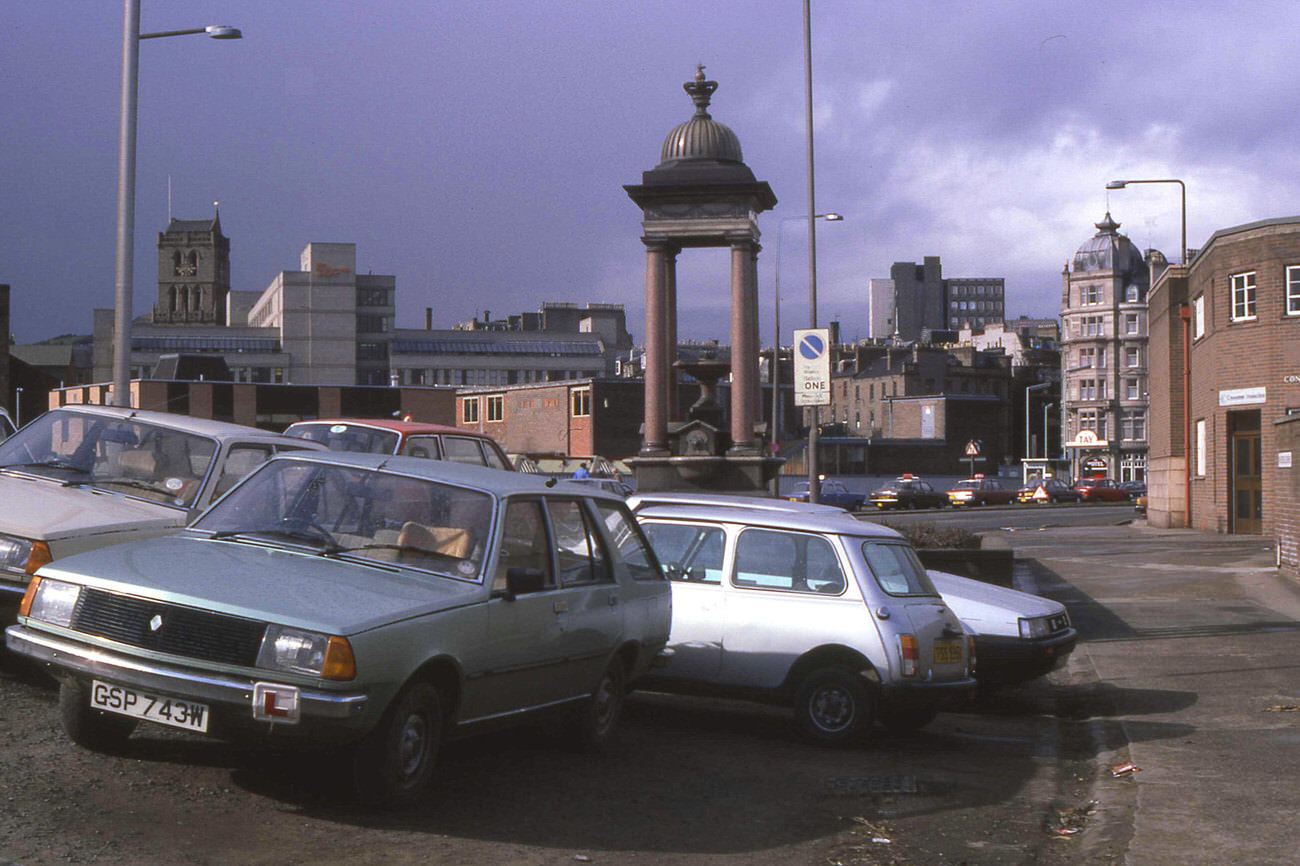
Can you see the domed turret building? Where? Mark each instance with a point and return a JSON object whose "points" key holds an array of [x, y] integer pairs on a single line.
{"points": [[1104, 355]]}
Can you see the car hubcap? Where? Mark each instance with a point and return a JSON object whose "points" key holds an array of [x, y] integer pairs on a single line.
{"points": [[604, 703], [410, 746], [832, 708]]}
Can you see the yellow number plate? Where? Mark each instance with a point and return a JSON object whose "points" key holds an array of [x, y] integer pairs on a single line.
{"points": [[947, 653]]}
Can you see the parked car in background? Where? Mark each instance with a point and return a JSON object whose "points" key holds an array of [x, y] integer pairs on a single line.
{"points": [[908, 491], [825, 613], [83, 477], [981, 490], [1018, 636], [1101, 490], [639, 501], [7, 426], [832, 493], [374, 603], [1048, 491], [410, 438], [1134, 488]]}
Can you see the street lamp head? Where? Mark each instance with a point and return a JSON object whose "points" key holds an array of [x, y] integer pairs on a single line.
{"points": [[1117, 184], [833, 217], [223, 31]]}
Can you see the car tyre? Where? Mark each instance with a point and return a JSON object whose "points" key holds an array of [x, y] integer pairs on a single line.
{"points": [[595, 721], [905, 720], [834, 707], [392, 764], [90, 728]]}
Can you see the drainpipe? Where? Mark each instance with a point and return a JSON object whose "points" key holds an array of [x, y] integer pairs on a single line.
{"points": [[1185, 313]]}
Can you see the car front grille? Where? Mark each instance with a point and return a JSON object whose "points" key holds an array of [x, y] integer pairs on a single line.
{"points": [[169, 628], [1060, 622]]}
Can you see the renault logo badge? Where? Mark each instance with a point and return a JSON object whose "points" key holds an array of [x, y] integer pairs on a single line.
{"points": [[155, 623]]}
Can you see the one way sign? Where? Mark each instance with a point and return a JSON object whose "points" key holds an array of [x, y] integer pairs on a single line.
{"points": [[812, 367]]}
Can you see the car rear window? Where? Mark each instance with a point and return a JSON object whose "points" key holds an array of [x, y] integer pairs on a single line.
{"points": [[897, 569]]}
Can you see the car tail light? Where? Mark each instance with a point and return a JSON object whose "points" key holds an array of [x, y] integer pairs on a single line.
{"points": [[911, 654], [970, 649]]}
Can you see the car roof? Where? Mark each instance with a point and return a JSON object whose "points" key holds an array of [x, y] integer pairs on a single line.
{"points": [[406, 428], [184, 423], [725, 500], [498, 481], [838, 524]]}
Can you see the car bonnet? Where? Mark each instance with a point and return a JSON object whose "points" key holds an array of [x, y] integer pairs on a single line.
{"points": [[264, 583], [990, 609], [35, 508]]}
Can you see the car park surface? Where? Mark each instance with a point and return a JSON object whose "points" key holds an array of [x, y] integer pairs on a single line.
{"points": [[981, 490], [825, 613], [410, 438], [1053, 491], [83, 477], [908, 492], [377, 603]]}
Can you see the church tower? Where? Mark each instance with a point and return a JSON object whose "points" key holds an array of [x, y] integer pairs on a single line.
{"points": [[193, 273]]}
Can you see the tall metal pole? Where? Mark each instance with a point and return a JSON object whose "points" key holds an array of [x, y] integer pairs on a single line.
{"points": [[814, 481], [122, 302]]}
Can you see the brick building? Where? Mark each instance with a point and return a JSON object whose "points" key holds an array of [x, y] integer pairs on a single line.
{"points": [[579, 418], [1241, 297]]}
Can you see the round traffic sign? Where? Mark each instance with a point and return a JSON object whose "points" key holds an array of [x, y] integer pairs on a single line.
{"points": [[812, 347]]}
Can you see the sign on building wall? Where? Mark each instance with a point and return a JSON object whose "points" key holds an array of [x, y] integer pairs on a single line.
{"points": [[927, 422], [812, 367], [1243, 396]]}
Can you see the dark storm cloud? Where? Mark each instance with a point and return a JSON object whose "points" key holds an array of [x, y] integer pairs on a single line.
{"points": [[478, 150]]}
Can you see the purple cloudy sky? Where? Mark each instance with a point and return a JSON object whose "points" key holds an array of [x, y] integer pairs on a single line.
{"points": [[478, 150]]}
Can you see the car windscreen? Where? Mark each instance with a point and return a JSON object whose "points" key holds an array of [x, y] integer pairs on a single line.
{"points": [[124, 455], [897, 569], [348, 437], [349, 512]]}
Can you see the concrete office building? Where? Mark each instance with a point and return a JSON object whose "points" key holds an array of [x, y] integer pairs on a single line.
{"points": [[917, 299], [327, 324]]}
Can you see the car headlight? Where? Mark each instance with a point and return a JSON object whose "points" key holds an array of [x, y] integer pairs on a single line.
{"points": [[1035, 627], [22, 555], [305, 652], [51, 601]]}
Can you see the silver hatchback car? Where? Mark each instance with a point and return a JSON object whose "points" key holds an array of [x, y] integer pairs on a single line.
{"points": [[823, 612]]}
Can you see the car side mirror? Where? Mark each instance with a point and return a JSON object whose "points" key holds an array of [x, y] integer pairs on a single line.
{"points": [[520, 581]]}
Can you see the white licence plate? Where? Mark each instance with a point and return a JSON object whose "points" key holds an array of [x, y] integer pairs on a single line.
{"points": [[154, 708]]}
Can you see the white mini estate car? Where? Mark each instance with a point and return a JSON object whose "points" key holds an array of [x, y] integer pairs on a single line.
{"points": [[831, 615]]}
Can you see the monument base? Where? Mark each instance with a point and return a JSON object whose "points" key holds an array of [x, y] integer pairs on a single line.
{"points": [[705, 474]]}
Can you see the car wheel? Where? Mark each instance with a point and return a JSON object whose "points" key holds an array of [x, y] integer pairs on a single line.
{"points": [[90, 728], [907, 720], [392, 764], [834, 707], [596, 719]]}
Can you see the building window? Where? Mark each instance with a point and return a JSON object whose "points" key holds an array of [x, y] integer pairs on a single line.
{"points": [[1132, 389], [1131, 323], [1135, 425], [496, 407], [1090, 295], [1087, 389], [1198, 317], [1131, 294], [581, 402], [1088, 357], [1293, 290], [1132, 357], [1243, 296], [1090, 326], [1200, 448], [469, 410]]}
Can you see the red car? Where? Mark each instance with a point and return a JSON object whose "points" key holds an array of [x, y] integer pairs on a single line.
{"points": [[1102, 490], [981, 491], [412, 438]]}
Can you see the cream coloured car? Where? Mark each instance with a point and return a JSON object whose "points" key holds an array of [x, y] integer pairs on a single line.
{"points": [[83, 477]]}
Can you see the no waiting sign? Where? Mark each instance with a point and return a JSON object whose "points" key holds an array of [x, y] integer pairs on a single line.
{"points": [[812, 367]]}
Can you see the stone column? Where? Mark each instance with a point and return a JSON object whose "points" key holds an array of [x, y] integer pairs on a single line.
{"points": [[654, 434], [758, 336], [744, 299], [670, 343]]}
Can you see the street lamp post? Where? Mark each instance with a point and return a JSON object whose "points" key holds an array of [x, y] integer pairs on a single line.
{"points": [[1040, 386], [18, 407], [1120, 184], [814, 479], [122, 302], [776, 342], [1046, 408]]}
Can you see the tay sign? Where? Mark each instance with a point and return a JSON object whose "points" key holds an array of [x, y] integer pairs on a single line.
{"points": [[812, 367]]}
